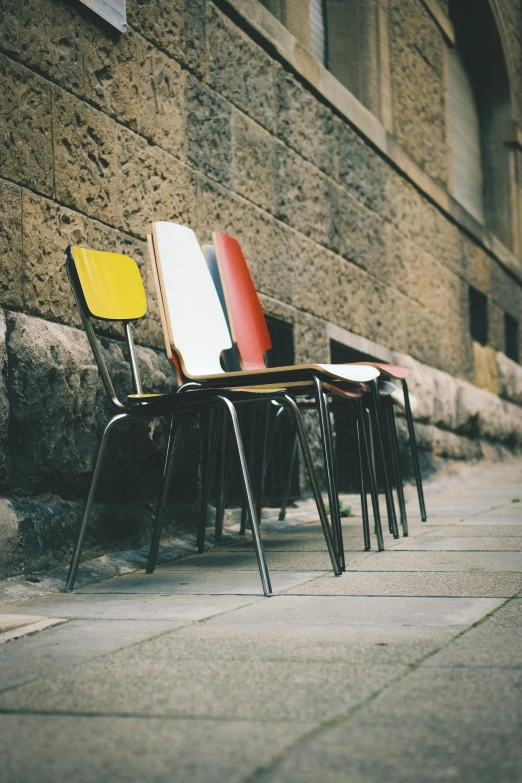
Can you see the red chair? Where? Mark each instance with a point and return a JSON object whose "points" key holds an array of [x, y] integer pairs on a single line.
{"points": [[251, 337]]}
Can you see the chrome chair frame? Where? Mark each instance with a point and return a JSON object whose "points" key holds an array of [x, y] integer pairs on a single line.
{"points": [[141, 405]]}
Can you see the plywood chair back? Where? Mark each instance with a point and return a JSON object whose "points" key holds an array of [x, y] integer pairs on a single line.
{"points": [[194, 321], [107, 286], [247, 320]]}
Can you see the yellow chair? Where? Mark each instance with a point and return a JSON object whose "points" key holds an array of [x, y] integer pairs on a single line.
{"points": [[108, 286]]}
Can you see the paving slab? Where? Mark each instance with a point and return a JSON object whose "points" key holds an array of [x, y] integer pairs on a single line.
{"points": [[440, 561], [198, 581], [469, 529], [144, 679], [289, 610], [230, 560], [125, 750], [458, 543], [423, 728], [417, 583]]}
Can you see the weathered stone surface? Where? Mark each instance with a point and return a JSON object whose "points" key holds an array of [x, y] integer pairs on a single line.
{"points": [[416, 56], [10, 27], [176, 28], [417, 219], [420, 276], [10, 245], [360, 169], [305, 123], [303, 195], [154, 107], [509, 378], [264, 240], [209, 121], [253, 162], [357, 233], [4, 404], [54, 392], [312, 272], [48, 230], [153, 185], [485, 367], [239, 70], [50, 41], [25, 119], [86, 159]]}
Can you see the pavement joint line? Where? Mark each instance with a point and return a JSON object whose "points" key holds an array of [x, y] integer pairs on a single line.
{"points": [[148, 716], [257, 775], [129, 646], [31, 628]]}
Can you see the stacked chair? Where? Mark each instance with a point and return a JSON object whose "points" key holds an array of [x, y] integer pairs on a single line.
{"points": [[198, 306]]}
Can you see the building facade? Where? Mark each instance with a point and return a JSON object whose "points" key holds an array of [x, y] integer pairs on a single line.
{"points": [[366, 153]]}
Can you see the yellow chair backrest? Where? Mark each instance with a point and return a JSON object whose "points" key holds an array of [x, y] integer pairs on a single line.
{"points": [[111, 284]]}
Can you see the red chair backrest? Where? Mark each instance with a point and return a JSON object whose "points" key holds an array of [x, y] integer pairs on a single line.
{"points": [[246, 317]]}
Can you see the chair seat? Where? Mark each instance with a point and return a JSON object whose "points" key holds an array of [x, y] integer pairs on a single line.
{"points": [[392, 370]]}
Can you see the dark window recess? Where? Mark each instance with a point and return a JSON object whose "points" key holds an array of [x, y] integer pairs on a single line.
{"points": [[281, 354], [346, 456], [511, 337], [276, 7], [478, 316]]}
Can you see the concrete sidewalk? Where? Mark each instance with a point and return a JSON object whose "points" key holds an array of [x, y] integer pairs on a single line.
{"points": [[406, 668]]}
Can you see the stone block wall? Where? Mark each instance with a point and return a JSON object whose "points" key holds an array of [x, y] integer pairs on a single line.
{"points": [[190, 117]]}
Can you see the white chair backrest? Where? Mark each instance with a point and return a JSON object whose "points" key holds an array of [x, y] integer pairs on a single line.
{"points": [[198, 331]]}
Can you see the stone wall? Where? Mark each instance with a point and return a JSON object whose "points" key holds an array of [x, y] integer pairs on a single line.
{"points": [[188, 117]]}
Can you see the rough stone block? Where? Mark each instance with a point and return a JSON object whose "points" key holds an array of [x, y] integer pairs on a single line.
{"points": [[176, 28], [50, 41], [239, 70], [418, 220], [26, 155], [253, 162], [10, 27], [477, 265], [11, 270], [86, 161], [311, 267], [485, 367], [356, 232], [137, 84], [361, 170], [54, 390], [209, 134], [153, 185], [509, 378], [420, 276], [4, 404], [264, 240], [419, 95], [305, 123], [303, 195], [412, 26], [504, 292]]}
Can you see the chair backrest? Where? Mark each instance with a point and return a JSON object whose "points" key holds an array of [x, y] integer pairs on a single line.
{"points": [[230, 357], [247, 320], [107, 286], [196, 326]]}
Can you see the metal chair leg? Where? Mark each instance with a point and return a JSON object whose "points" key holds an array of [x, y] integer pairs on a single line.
{"points": [[260, 468], [394, 447], [251, 467], [414, 453], [75, 561], [390, 505], [371, 473], [261, 562], [364, 502], [207, 470], [167, 480], [313, 481], [326, 438], [288, 485], [224, 477]]}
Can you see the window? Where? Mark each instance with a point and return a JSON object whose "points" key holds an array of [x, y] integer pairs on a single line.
{"points": [[478, 316], [511, 337], [317, 30], [480, 112], [275, 7]]}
